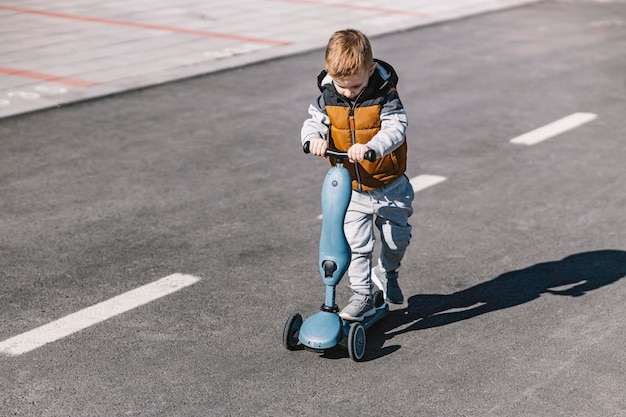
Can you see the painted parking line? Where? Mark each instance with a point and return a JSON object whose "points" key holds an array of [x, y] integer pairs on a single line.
{"points": [[34, 75], [149, 26], [419, 183], [95, 314], [554, 129], [422, 182]]}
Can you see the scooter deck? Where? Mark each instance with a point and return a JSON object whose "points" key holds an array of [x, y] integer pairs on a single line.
{"points": [[367, 322], [381, 312]]}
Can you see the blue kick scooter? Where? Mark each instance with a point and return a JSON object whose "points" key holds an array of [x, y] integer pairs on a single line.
{"points": [[325, 329]]}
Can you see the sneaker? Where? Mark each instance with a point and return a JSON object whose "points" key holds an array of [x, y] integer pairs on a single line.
{"points": [[388, 284], [359, 307]]}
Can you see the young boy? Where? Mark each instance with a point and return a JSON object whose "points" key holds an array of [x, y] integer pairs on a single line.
{"points": [[359, 109]]}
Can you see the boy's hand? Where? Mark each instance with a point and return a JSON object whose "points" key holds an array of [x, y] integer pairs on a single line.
{"points": [[318, 146], [356, 153]]}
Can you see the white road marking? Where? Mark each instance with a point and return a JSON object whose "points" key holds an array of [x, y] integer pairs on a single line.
{"points": [[567, 287], [26, 95], [421, 182], [461, 309], [51, 89], [553, 129], [95, 314], [227, 52]]}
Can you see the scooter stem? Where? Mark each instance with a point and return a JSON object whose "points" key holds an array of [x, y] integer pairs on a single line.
{"points": [[334, 250]]}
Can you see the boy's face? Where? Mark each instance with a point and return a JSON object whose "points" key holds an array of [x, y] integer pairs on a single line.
{"points": [[352, 85]]}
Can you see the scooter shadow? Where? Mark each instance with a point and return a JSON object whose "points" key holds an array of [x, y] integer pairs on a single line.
{"points": [[374, 352], [573, 276]]}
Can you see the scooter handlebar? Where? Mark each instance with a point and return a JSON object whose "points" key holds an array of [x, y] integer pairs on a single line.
{"points": [[369, 155]]}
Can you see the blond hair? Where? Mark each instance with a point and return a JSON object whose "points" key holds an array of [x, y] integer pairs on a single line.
{"points": [[348, 52]]}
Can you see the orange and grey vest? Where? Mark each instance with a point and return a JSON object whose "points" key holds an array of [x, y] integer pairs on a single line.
{"points": [[358, 122]]}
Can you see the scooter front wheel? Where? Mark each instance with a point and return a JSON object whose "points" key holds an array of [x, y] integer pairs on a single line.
{"points": [[292, 329], [356, 342]]}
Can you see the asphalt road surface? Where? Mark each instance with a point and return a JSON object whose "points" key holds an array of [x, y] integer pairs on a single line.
{"points": [[514, 279]]}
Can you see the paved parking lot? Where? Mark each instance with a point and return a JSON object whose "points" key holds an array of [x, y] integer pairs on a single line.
{"points": [[153, 243]]}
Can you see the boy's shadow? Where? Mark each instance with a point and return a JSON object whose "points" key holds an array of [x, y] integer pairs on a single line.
{"points": [[572, 276]]}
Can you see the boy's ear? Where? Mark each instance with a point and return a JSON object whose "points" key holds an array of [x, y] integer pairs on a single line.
{"points": [[372, 69]]}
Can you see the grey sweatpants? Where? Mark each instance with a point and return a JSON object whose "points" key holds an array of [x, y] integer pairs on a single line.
{"points": [[389, 208]]}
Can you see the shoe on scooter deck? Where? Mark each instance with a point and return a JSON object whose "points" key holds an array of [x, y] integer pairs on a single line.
{"points": [[381, 312], [354, 333], [382, 309], [367, 322]]}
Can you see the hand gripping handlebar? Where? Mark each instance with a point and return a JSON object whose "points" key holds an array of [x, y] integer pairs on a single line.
{"points": [[369, 155]]}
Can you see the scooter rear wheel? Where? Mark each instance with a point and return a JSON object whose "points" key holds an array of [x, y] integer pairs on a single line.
{"points": [[356, 342], [292, 329]]}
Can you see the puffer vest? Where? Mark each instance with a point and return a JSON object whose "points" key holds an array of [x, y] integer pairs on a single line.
{"points": [[358, 122]]}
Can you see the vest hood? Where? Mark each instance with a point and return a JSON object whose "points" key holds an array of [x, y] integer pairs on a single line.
{"points": [[382, 79]]}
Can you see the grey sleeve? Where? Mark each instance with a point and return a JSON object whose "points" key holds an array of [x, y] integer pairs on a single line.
{"points": [[394, 123], [317, 124]]}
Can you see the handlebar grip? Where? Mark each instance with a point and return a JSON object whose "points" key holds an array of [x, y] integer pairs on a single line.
{"points": [[369, 155]]}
